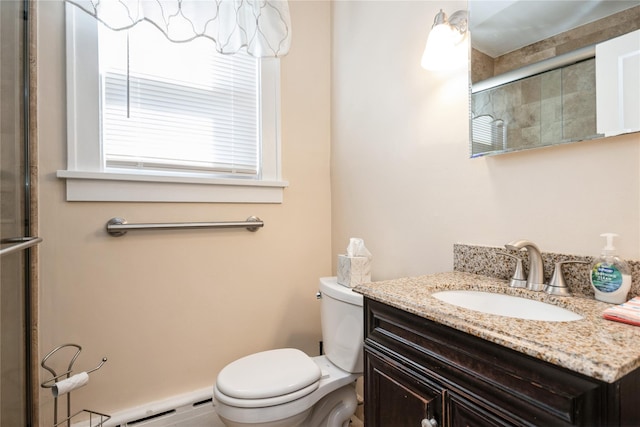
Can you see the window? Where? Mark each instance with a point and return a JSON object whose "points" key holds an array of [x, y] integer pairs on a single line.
{"points": [[140, 129]]}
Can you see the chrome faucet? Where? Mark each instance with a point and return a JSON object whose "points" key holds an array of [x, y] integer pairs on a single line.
{"points": [[535, 279]]}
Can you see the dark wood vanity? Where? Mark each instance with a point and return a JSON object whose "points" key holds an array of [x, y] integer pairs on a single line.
{"points": [[421, 373]]}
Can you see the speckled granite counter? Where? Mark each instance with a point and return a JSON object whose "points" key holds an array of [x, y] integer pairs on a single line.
{"points": [[593, 346]]}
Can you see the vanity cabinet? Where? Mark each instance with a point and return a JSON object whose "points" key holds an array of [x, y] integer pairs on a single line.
{"points": [[424, 374]]}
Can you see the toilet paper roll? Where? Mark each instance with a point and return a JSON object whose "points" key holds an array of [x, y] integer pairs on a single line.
{"points": [[71, 383]]}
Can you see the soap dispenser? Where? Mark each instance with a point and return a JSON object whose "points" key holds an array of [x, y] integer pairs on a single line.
{"points": [[610, 276]]}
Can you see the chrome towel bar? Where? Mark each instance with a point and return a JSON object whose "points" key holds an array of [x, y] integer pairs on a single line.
{"points": [[118, 226], [19, 243]]}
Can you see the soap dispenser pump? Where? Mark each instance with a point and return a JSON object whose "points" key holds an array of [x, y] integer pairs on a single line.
{"points": [[610, 276]]}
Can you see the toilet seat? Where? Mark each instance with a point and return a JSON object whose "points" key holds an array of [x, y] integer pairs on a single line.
{"points": [[264, 403], [267, 378]]}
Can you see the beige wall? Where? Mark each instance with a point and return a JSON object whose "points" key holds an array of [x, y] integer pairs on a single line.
{"points": [[170, 309], [401, 176]]}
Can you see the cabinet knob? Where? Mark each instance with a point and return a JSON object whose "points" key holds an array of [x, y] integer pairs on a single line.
{"points": [[429, 423]]}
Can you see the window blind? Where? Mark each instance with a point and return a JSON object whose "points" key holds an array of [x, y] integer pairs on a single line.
{"points": [[183, 107], [489, 131]]}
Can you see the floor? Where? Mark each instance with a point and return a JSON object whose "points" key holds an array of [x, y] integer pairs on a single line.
{"points": [[356, 422]]}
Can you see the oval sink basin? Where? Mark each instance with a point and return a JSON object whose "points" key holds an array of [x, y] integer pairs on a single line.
{"points": [[507, 305]]}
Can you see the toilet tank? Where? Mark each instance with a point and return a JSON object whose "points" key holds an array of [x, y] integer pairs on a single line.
{"points": [[342, 325]]}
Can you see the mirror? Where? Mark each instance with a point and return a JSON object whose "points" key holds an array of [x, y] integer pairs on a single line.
{"points": [[533, 70]]}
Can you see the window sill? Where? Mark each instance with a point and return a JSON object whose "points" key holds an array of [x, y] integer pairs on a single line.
{"points": [[137, 187]]}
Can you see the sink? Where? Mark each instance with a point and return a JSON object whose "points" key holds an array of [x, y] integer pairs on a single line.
{"points": [[507, 305]]}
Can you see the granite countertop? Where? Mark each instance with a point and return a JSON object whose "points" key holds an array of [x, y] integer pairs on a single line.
{"points": [[593, 346]]}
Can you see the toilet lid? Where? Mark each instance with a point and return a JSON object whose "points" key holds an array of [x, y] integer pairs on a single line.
{"points": [[268, 374]]}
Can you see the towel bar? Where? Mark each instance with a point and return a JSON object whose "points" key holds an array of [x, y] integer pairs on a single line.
{"points": [[118, 226], [19, 243]]}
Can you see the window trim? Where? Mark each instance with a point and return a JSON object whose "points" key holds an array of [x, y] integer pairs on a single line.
{"points": [[88, 180]]}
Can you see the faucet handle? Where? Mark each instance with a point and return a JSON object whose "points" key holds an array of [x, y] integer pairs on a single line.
{"points": [[518, 279], [557, 285]]}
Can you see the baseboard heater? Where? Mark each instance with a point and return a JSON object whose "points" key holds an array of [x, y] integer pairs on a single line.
{"points": [[189, 409]]}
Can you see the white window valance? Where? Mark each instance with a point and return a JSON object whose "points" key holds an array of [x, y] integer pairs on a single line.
{"points": [[262, 27]]}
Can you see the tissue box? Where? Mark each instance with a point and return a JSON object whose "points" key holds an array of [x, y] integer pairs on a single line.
{"points": [[353, 271]]}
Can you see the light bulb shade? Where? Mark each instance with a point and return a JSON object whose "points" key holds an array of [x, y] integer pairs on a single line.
{"points": [[446, 48]]}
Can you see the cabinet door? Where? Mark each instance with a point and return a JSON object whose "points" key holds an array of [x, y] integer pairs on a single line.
{"points": [[398, 397]]}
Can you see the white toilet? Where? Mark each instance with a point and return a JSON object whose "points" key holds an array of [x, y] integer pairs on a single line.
{"points": [[285, 387]]}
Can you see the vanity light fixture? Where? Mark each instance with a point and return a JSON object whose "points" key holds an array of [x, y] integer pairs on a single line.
{"points": [[447, 43]]}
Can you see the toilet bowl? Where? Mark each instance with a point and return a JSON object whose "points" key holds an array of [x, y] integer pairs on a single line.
{"points": [[287, 388]]}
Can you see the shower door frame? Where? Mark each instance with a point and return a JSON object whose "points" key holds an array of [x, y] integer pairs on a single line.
{"points": [[31, 133], [23, 211]]}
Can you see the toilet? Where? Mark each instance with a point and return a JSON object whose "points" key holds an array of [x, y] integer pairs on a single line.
{"points": [[287, 388]]}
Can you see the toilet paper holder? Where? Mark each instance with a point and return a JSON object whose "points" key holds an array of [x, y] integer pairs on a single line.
{"points": [[66, 383]]}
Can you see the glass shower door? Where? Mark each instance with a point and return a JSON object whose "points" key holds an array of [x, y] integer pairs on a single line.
{"points": [[14, 220]]}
